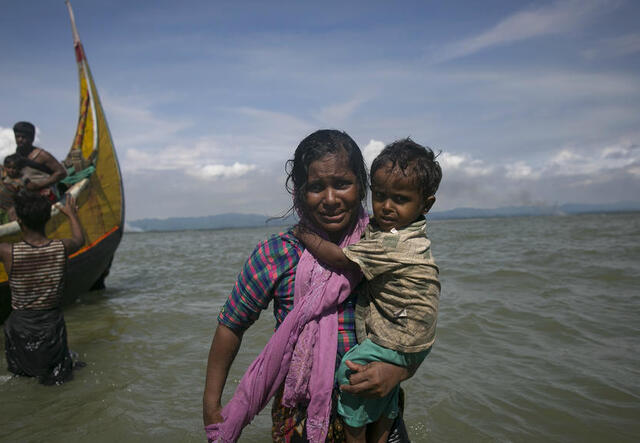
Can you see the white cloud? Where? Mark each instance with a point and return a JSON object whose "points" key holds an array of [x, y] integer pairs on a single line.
{"points": [[371, 151], [275, 121], [556, 18], [181, 194], [596, 172], [614, 47], [201, 161], [337, 113], [520, 170], [463, 164], [134, 123], [215, 171], [450, 161], [570, 162], [7, 142]]}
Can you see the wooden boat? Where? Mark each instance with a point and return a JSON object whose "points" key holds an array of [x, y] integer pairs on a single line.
{"points": [[99, 197]]}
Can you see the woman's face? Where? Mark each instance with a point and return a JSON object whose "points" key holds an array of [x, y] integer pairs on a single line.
{"points": [[332, 195]]}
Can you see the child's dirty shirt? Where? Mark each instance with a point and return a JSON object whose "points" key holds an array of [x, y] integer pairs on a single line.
{"points": [[398, 306]]}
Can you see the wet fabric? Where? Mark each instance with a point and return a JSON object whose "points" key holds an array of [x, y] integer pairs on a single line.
{"points": [[37, 275], [357, 411], [312, 324], [269, 275], [289, 424], [74, 177], [398, 306], [36, 345]]}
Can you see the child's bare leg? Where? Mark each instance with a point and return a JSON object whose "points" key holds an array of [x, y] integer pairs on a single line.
{"points": [[378, 431], [355, 435]]}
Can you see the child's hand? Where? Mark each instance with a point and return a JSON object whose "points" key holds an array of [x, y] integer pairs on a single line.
{"points": [[69, 207]]}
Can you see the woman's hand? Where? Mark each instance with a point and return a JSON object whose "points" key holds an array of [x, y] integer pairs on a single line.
{"points": [[224, 347], [375, 379], [212, 414]]}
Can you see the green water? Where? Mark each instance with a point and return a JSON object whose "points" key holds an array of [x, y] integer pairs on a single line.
{"points": [[538, 338]]}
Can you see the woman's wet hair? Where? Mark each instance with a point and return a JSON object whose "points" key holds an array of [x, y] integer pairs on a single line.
{"points": [[414, 161], [314, 147], [33, 210]]}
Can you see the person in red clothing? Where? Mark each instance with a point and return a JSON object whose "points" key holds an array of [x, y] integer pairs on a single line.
{"points": [[35, 332]]}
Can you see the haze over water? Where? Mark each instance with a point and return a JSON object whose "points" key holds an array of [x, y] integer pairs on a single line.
{"points": [[538, 338]]}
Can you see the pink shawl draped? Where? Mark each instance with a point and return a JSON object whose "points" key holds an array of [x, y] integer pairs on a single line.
{"points": [[300, 353]]}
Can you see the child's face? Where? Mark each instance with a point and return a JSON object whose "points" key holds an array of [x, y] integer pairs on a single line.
{"points": [[397, 200], [12, 171]]}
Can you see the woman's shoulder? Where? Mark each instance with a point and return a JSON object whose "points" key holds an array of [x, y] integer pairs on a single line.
{"points": [[281, 245]]}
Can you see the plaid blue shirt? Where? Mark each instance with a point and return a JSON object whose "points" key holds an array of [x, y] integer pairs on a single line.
{"points": [[269, 274]]}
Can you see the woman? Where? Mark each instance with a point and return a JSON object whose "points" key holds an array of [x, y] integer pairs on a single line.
{"points": [[327, 179]]}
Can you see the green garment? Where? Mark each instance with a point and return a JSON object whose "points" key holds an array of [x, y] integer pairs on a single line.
{"points": [[74, 177]]}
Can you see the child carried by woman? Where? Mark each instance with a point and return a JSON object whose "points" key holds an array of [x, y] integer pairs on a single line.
{"points": [[398, 305]]}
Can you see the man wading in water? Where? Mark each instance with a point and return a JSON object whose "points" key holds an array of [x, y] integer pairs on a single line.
{"points": [[35, 332]]}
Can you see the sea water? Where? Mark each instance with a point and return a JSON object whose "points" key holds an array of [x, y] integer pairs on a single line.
{"points": [[538, 338]]}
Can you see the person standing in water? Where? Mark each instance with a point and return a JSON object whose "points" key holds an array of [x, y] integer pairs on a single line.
{"points": [[398, 306], [328, 181], [41, 170], [35, 332]]}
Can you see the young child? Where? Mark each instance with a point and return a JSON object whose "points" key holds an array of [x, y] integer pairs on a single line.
{"points": [[35, 332], [10, 184], [397, 306]]}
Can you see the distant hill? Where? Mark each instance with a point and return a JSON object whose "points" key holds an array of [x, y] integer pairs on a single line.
{"points": [[521, 211], [220, 221], [233, 220]]}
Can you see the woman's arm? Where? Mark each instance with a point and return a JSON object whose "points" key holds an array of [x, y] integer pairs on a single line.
{"points": [[257, 284], [324, 250], [224, 349], [375, 379]]}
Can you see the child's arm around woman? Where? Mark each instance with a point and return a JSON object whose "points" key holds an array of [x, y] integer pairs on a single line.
{"points": [[327, 252]]}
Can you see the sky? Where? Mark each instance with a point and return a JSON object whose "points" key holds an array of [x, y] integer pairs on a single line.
{"points": [[528, 103]]}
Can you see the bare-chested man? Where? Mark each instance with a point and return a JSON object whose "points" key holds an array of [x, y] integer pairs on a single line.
{"points": [[41, 170]]}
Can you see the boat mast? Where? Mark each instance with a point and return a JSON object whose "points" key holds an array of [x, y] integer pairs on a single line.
{"points": [[76, 36]]}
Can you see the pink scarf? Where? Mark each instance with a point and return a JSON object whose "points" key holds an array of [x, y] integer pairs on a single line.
{"points": [[307, 336]]}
